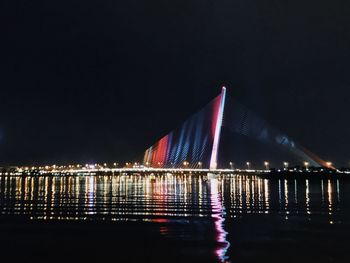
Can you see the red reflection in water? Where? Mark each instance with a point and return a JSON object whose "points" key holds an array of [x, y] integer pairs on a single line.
{"points": [[218, 212], [160, 220]]}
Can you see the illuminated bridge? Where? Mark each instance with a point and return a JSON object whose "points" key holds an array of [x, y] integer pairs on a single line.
{"points": [[198, 142], [216, 139]]}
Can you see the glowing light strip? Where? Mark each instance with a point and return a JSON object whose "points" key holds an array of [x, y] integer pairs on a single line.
{"points": [[214, 153]]}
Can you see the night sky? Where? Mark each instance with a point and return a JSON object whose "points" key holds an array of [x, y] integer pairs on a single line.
{"points": [[100, 81]]}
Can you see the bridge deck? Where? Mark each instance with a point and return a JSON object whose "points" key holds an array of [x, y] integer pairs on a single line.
{"points": [[157, 170]]}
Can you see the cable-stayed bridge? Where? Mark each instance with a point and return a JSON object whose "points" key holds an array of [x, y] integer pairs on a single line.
{"points": [[211, 141], [198, 142]]}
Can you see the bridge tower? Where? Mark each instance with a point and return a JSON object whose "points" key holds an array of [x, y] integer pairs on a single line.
{"points": [[217, 130]]}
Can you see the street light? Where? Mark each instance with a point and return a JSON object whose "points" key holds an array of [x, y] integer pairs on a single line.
{"points": [[266, 165], [285, 164], [200, 165], [185, 163], [248, 165], [231, 165], [306, 164]]}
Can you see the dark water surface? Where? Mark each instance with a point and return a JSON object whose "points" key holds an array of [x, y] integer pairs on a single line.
{"points": [[172, 218]]}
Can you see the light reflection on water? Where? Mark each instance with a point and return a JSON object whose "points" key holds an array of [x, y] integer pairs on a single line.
{"points": [[165, 198], [218, 213]]}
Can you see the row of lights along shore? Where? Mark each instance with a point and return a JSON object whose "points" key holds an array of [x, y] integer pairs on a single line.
{"points": [[186, 164]]}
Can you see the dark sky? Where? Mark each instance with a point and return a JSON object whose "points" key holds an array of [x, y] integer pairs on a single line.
{"points": [[93, 81]]}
